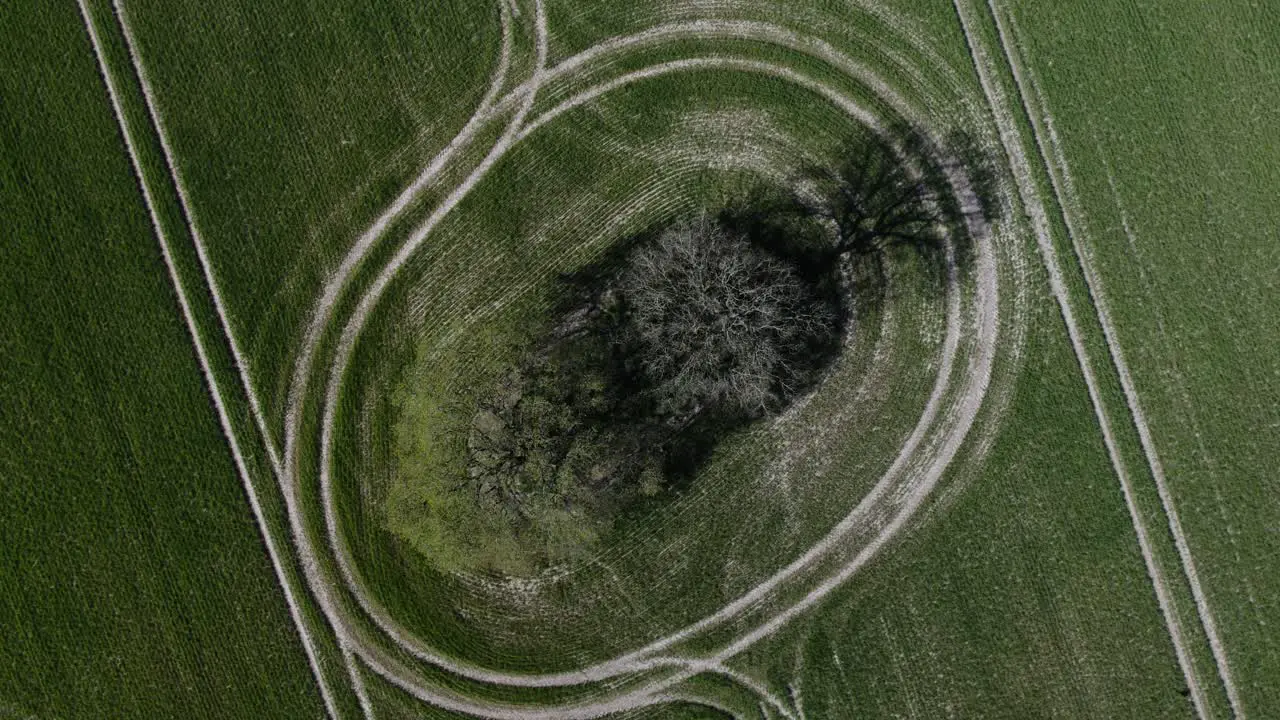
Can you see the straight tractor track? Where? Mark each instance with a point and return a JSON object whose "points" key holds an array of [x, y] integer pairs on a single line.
{"points": [[272, 453], [128, 132], [1073, 215], [1063, 195]]}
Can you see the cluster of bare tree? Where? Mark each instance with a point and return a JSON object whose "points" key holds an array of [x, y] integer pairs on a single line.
{"points": [[694, 330]]}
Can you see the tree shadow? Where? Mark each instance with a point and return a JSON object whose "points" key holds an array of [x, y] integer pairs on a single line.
{"points": [[876, 199]]}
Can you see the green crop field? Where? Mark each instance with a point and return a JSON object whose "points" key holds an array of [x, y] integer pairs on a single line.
{"points": [[264, 261]]}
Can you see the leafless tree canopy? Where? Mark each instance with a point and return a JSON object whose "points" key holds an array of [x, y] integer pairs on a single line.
{"points": [[716, 322], [676, 339]]}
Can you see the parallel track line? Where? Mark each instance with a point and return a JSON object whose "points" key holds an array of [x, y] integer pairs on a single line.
{"points": [[215, 393]]}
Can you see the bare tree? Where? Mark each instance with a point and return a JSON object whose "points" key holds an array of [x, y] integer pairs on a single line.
{"points": [[717, 322]]}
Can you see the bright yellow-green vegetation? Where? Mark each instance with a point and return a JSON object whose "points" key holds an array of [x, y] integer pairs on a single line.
{"points": [[429, 503]]}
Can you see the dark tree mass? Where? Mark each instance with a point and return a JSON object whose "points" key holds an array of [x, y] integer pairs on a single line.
{"points": [[715, 323], [689, 334], [696, 333]]}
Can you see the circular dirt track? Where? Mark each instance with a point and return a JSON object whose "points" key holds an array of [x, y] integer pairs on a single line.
{"points": [[964, 341]]}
